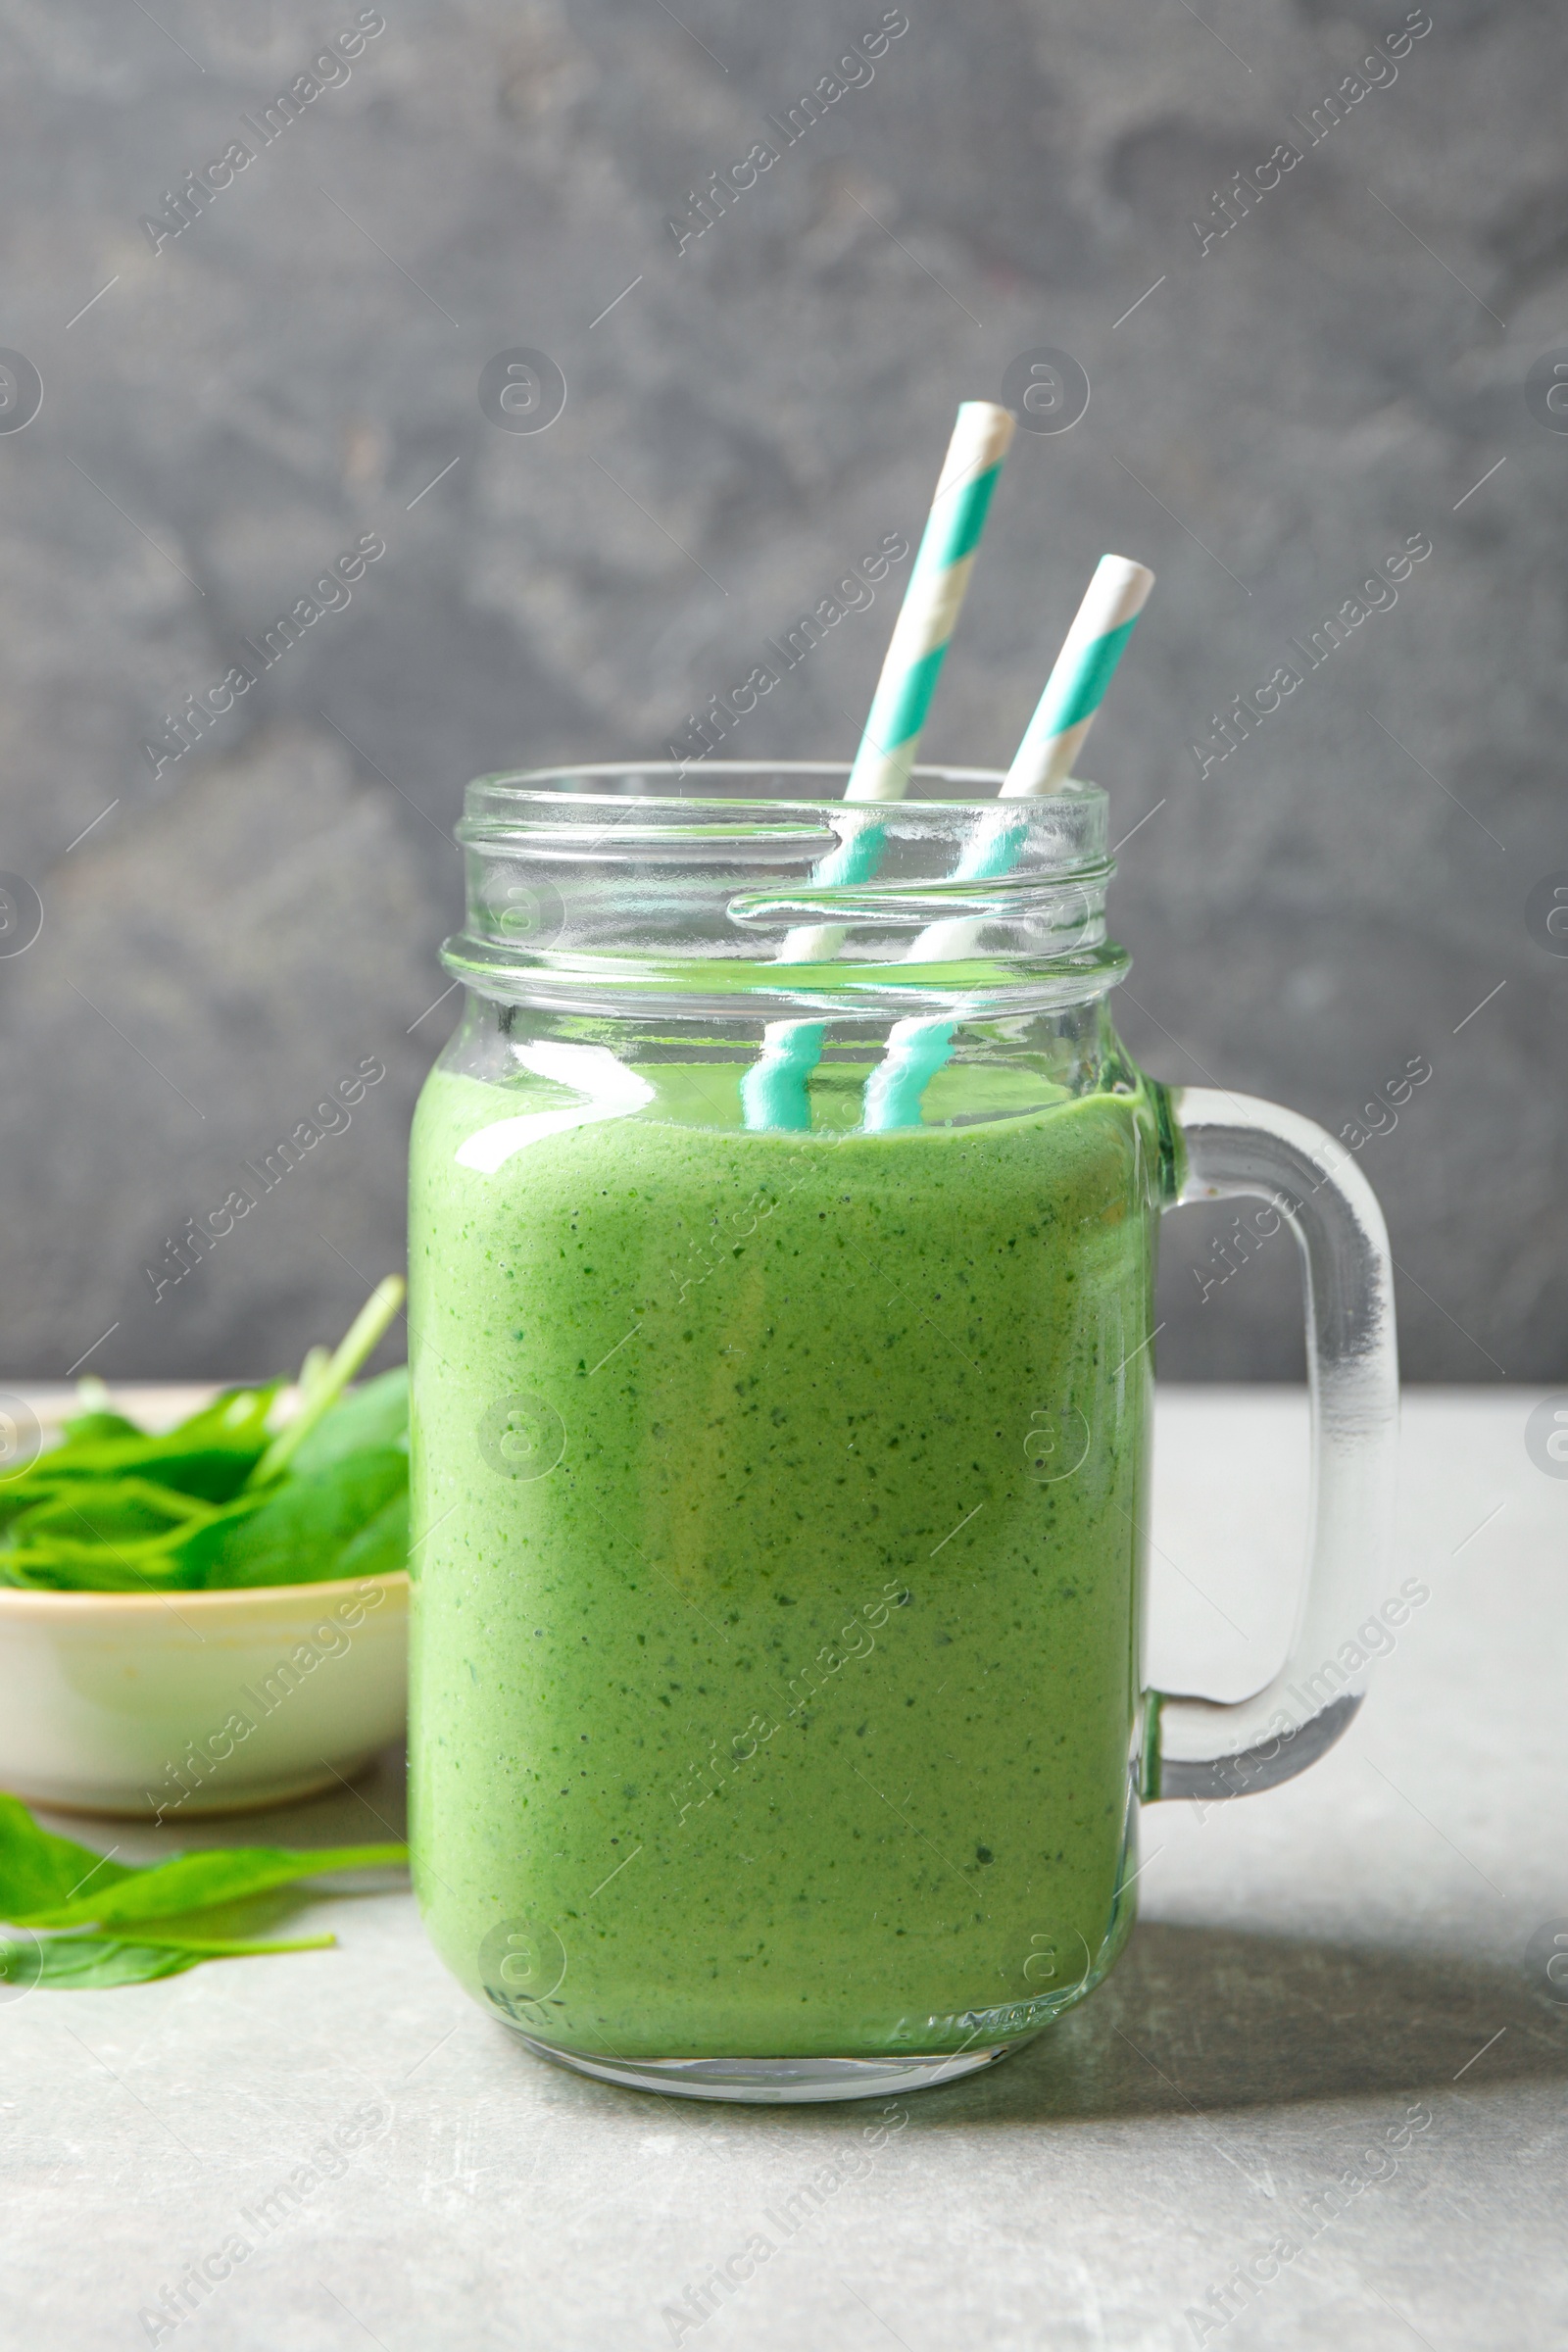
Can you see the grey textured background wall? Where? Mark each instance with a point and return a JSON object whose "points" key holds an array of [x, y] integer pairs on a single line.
{"points": [[1271, 415]]}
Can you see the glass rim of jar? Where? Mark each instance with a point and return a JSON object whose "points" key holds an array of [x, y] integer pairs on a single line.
{"points": [[500, 801], [720, 882]]}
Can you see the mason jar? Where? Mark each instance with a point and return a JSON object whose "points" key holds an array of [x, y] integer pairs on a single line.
{"points": [[782, 1256]]}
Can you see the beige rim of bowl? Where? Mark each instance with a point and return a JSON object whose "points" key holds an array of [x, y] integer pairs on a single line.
{"points": [[22, 1598]]}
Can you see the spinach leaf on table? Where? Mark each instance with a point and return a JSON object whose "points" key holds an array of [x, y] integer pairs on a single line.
{"points": [[39, 1871], [96, 1963], [204, 1881], [125, 1924], [51, 1882]]}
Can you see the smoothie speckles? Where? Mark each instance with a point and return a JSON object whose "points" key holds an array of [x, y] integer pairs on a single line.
{"points": [[792, 1370]]}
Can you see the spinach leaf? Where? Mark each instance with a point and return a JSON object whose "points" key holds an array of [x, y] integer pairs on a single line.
{"points": [[62, 1567], [210, 1455], [296, 1532], [122, 1510], [371, 1418], [348, 1519], [53, 1882], [222, 1501], [95, 1416], [382, 1547], [95, 1962], [50, 1881], [83, 1426], [38, 1870], [67, 1545], [235, 1417], [201, 1883]]}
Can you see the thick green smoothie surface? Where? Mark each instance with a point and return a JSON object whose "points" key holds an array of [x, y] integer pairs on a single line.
{"points": [[774, 1671]]}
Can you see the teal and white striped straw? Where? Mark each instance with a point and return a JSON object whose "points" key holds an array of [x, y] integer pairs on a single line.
{"points": [[1076, 686], [929, 613], [1052, 741], [773, 1092]]}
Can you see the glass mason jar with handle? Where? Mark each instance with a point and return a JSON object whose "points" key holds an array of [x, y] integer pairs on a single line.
{"points": [[780, 1430]]}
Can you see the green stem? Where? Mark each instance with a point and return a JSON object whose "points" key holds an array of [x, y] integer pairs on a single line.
{"points": [[228, 1951], [209, 1948], [359, 1341]]}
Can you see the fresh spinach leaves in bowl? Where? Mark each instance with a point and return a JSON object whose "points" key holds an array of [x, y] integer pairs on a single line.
{"points": [[229, 1498]]}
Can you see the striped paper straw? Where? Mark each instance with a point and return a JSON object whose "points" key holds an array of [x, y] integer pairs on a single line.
{"points": [[773, 1092], [929, 613], [1074, 691], [938, 581], [1076, 686]]}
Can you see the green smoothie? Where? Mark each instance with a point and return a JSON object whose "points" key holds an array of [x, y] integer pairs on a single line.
{"points": [[775, 1660]]}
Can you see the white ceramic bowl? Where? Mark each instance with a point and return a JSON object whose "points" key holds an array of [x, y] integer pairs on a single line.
{"points": [[163, 1706]]}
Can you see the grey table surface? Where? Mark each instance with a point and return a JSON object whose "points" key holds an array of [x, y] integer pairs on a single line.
{"points": [[1325, 2032]]}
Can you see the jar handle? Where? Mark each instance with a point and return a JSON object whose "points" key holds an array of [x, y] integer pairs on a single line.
{"points": [[1236, 1147]]}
